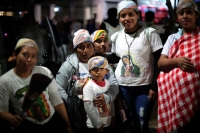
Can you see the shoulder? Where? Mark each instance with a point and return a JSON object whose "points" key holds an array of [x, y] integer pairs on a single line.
{"points": [[116, 34], [7, 75]]}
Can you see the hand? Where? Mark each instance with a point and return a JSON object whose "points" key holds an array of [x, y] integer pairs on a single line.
{"points": [[15, 121], [99, 101], [70, 130], [185, 64], [100, 130], [152, 95]]}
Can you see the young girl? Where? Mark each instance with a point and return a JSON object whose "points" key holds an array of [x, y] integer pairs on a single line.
{"points": [[142, 47]]}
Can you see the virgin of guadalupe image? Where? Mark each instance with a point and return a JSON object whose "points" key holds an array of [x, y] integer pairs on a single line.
{"points": [[129, 69]]}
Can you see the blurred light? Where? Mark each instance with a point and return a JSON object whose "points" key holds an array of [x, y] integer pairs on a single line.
{"points": [[56, 9], [5, 34], [20, 13]]}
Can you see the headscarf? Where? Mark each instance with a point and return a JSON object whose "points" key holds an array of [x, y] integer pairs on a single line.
{"points": [[127, 4], [99, 34], [97, 62], [187, 4], [80, 36], [24, 42]]}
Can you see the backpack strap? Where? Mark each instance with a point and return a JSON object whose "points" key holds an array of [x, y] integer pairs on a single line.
{"points": [[146, 31]]}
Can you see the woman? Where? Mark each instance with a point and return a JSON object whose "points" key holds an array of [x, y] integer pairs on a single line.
{"points": [[48, 108], [179, 95], [75, 69], [139, 49]]}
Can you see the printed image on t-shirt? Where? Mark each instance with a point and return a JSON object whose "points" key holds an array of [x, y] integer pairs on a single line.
{"points": [[82, 77], [129, 69], [40, 109], [105, 111]]}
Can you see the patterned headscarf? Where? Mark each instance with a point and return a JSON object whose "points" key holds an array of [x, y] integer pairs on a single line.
{"points": [[126, 4], [97, 62], [187, 4], [80, 36], [26, 42], [99, 34]]}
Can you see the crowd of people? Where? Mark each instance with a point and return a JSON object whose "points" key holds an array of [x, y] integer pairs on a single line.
{"points": [[124, 83]]}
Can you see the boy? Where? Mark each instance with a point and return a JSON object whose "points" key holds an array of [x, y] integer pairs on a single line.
{"points": [[99, 118]]}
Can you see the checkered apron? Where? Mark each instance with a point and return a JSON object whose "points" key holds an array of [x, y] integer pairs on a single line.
{"points": [[179, 91]]}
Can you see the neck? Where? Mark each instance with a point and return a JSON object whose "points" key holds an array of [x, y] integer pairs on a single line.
{"points": [[133, 30], [21, 73], [185, 31]]}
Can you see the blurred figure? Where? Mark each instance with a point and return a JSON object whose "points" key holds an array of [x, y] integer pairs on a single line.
{"points": [[65, 30], [33, 31], [149, 19], [111, 24]]}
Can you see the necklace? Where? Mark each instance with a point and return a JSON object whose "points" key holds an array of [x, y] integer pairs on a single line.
{"points": [[129, 45]]}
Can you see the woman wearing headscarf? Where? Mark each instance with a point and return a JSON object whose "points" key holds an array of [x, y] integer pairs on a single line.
{"points": [[139, 49], [32, 111], [179, 81], [75, 69]]}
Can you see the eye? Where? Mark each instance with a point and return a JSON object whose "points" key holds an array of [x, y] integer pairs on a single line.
{"points": [[81, 47], [123, 15], [98, 41]]}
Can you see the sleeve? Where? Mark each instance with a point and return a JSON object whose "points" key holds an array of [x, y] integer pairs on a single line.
{"points": [[53, 89], [92, 114], [170, 41], [88, 93], [63, 78], [155, 41], [4, 95], [112, 92]]}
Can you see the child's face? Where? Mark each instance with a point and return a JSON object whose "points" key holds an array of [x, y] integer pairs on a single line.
{"points": [[101, 45], [98, 74], [129, 19]]}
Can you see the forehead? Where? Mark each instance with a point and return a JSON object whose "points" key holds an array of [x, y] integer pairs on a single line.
{"points": [[186, 9], [84, 44], [29, 49], [127, 10]]}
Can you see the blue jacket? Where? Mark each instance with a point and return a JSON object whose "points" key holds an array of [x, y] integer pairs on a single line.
{"points": [[71, 67]]}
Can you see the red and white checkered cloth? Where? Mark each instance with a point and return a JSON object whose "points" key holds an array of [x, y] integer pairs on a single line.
{"points": [[179, 91]]}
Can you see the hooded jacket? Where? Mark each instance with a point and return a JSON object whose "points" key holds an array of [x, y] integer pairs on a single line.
{"points": [[70, 68]]}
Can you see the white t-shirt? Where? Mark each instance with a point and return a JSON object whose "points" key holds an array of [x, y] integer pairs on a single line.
{"points": [[13, 88], [137, 69], [90, 91]]}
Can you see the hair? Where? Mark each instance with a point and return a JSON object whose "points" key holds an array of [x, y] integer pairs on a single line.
{"points": [[149, 16], [112, 12]]}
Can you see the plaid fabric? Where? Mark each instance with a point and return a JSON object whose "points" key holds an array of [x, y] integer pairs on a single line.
{"points": [[179, 91]]}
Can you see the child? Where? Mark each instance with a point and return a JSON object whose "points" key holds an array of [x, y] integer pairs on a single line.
{"points": [[99, 118]]}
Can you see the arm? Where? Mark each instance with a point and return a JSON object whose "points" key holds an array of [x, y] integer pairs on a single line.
{"points": [[14, 120], [63, 79], [60, 108], [92, 114], [183, 63]]}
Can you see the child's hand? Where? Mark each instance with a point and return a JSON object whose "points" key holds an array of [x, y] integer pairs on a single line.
{"points": [[113, 121], [100, 130]]}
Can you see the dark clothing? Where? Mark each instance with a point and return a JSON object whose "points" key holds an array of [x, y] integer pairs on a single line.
{"points": [[112, 58]]}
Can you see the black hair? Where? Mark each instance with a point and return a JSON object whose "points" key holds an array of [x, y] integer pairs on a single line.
{"points": [[149, 16]]}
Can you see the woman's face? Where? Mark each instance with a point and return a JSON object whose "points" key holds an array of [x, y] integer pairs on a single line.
{"points": [[187, 18], [129, 19], [101, 45], [84, 51], [26, 59]]}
